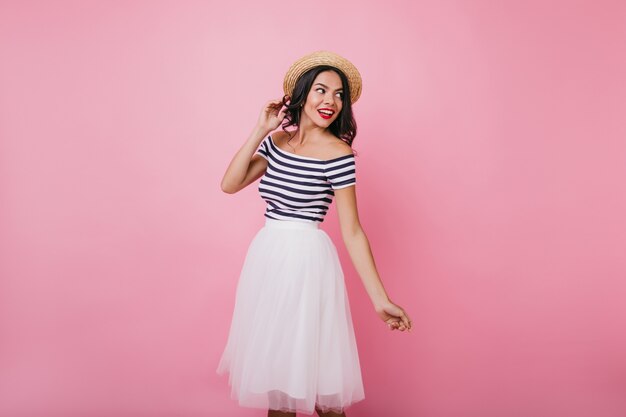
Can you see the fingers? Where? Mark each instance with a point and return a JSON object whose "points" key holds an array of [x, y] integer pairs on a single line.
{"points": [[277, 108], [406, 321], [278, 103], [404, 318], [273, 104], [393, 324], [397, 326], [402, 324]]}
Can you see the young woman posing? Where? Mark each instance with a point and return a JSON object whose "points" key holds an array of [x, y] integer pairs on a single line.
{"points": [[291, 346]]}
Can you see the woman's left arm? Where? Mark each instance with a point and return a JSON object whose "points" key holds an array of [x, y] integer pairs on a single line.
{"points": [[360, 252]]}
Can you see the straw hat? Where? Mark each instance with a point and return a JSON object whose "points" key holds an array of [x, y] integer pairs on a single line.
{"points": [[314, 59]]}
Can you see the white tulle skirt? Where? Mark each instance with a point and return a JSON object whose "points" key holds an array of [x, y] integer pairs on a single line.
{"points": [[291, 345]]}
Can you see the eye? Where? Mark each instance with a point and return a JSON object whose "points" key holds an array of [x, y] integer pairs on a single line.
{"points": [[320, 88]]}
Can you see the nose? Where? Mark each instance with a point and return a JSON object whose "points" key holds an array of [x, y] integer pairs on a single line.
{"points": [[328, 99]]}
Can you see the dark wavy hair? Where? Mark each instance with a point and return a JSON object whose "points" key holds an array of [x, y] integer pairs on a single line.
{"points": [[344, 126]]}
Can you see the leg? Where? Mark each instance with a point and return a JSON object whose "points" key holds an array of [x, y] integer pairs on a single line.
{"points": [[329, 413], [276, 413]]}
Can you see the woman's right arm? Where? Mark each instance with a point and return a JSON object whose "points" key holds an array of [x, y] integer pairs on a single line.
{"points": [[246, 167]]}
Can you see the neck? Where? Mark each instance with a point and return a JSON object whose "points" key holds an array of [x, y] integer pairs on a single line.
{"points": [[307, 131]]}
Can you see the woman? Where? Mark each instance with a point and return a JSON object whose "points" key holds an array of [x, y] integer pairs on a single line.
{"points": [[291, 346]]}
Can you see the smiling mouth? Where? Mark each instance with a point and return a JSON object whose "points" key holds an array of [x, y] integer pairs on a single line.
{"points": [[326, 114]]}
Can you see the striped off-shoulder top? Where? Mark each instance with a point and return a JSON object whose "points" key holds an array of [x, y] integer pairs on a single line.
{"points": [[301, 188]]}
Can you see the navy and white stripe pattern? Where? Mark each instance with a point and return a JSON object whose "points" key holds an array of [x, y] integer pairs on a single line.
{"points": [[300, 188]]}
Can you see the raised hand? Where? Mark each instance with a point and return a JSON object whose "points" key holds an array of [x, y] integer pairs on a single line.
{"points": [[272, 114]]}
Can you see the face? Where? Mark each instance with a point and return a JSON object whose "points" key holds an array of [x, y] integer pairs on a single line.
{"points": [[326, 93]]}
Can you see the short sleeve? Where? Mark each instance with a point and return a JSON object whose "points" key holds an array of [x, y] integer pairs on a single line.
{"points": [[264, 148], [341, 172]]}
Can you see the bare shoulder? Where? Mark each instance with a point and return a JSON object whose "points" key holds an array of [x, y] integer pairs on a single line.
{"points": [[279, 136], [338, 148]]}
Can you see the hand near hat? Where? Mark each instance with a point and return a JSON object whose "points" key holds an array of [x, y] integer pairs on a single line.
{"points": [[394, 316], [272, 115]]}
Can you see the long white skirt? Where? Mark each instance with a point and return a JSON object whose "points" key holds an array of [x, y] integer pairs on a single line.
{"points": [[291, 345]]}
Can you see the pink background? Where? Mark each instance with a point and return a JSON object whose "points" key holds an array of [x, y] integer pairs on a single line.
{"points": [[492, 167]]}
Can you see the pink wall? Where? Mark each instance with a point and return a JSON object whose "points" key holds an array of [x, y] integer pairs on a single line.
{"points": [[492, 148]]}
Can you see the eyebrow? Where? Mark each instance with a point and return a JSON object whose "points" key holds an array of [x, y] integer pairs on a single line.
{"points": [[325, 86]]}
